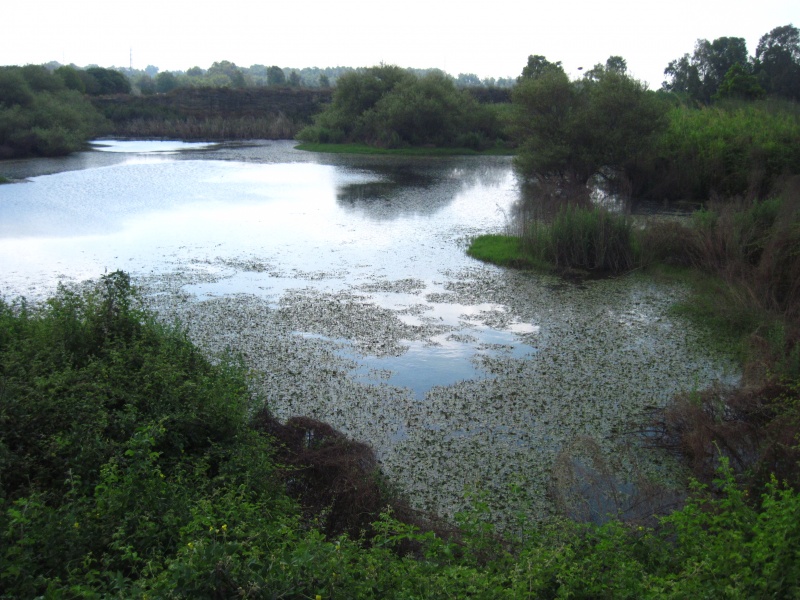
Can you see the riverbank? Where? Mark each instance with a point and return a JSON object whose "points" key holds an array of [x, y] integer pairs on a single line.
{"points": [[410, 151]]}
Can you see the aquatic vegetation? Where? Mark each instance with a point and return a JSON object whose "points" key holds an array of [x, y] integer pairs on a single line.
{"points": [[600, 356]]}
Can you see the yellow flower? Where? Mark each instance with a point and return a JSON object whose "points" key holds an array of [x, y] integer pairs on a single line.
{"points": [[224, 528], [76, 525], [190, 545], [318, 597]]}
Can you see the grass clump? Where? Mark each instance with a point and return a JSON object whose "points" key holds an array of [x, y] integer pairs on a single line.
{"points": [[503, 250], [575, 239], [584, 238]]}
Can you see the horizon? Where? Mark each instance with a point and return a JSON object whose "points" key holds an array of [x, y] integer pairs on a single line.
{"points": [[453, 37]]}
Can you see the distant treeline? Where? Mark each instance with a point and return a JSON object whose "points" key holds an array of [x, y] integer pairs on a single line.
{"points": [[666, 144], [224, 73]]}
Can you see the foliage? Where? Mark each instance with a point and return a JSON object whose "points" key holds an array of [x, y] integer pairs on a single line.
{"points": [[733, 149], [389, 107], [738, 83], [40, 114], [165, 82], [580, 238], [701, 74], [712, 70], [275, 76], [605, 123], [778, 61], [100, 82]]}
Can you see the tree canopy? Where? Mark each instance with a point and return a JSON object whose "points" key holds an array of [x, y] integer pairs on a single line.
{"points": [[42, 114], [722, 68], [606, 121], [388, 106]]}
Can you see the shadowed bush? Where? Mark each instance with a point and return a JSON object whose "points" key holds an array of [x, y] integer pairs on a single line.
{"points": [[336, 480]]}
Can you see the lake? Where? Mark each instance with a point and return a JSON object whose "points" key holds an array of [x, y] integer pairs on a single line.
{"points": [[343, 283]]}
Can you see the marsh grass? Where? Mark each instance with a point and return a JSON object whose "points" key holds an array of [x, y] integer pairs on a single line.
{"points": [[269, 127], [592, 239]]}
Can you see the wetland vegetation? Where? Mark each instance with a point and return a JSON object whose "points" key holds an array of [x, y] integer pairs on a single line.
{"points": [[142, 457]]}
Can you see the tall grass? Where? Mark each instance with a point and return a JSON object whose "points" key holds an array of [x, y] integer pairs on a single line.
{"points": [[583, 238], [735, 149]]}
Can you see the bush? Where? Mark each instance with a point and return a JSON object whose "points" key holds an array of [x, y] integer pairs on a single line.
{"points": [[41, 116], [389, 107], [734, 149]]}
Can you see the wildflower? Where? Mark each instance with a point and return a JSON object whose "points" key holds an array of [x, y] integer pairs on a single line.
{"points": [[224, 528], [76, 525]]}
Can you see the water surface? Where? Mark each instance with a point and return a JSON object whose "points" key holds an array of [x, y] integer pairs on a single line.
{"points": [[343, 282]]}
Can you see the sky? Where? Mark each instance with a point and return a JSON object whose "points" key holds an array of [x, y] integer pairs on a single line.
{"points": [[492, 38]]}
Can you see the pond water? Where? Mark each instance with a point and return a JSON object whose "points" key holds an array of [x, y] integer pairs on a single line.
{"points": [[343, 282]]}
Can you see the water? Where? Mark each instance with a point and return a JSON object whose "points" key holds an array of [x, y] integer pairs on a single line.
{"points": [[343, 282]]}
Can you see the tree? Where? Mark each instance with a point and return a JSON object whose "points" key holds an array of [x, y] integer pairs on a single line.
{"points": [[614, 64], [294, 79], [324, 82], [275, 76], [107, 81], [165, 82], [146, 85], [226, 70], [700, 75], [71, 78], [537, 66], [418, 111], [468, 80], [738, 83], [14, 89], [685, 77], [606, 123], [388, 106], [778, 61]]}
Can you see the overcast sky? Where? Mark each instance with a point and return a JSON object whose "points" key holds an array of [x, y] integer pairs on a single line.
{"points": [[492, 38]]}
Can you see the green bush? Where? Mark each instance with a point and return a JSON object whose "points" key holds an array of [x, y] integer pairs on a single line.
{"points": [[40, 116], [389, 107], [732, 149]]}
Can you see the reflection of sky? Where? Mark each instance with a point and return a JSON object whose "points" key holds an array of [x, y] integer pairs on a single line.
{"points": [[443, 360], [140, 146], [299, 220]]}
